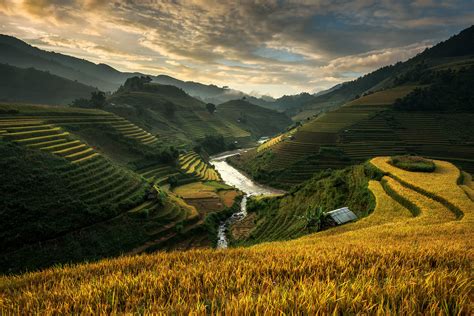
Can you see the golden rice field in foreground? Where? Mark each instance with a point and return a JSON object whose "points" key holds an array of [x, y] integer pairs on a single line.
{"points": [[390, 262]]}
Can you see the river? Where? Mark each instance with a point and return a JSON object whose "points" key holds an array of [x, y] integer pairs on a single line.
{"points": [[237, 179]]}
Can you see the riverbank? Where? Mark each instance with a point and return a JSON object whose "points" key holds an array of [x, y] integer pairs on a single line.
{"points": [[233, 177]]}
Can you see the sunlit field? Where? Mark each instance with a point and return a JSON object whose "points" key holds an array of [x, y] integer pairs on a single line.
{"points": [[390, 262]]}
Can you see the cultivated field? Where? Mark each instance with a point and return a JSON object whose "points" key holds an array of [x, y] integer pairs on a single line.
{"points": [[390, 262], [362, 129], [192, 164]]}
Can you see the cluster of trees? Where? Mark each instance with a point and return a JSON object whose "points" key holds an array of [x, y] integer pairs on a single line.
{"points": [[450, 91], [213, 144], [136, 83], [97, 100], [419, 73]]}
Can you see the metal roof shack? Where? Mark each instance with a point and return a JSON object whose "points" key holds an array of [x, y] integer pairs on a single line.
{"points": [[342, 215]]}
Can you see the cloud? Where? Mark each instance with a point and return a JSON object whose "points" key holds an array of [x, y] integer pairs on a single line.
{"points": [[278, 45]]}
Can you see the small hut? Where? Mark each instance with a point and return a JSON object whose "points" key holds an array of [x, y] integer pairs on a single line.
{"points": [[342, 215]]}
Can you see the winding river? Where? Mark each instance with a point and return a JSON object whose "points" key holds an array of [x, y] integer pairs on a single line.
{"points": [[237, 179]]}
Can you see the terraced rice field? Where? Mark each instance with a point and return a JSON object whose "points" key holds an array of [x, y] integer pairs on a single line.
{"points": [[390, 262], [270, 143], [46, 137], [439, 188], [130, 130], [192, 124], [366, 128], [78, 118], [93, 178], [161, 221], [192, 164]]}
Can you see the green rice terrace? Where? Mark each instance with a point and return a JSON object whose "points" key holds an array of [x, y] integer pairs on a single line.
{"points": [[172, 114], [80, 203], [357, 131], [192, 164]]}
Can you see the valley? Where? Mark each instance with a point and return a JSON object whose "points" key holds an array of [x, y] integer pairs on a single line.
{"points": [[131, 193]]}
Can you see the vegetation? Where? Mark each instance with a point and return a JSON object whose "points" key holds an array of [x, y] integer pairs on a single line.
{"points": [[287, 217], [360, 130], [211, 107], [97, 100], [213, 144], [256, 119], [192, 164], [349, 268], [413, 163], [176, 117], [450, 91], [35, 86]]}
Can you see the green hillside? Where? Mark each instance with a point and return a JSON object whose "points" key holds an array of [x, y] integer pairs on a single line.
{"points": [[68, 195], [17, 53], [172, 114], [286, 217], [259, 121], [423, 106], [456, 52], [34, 86], [367, 127]]}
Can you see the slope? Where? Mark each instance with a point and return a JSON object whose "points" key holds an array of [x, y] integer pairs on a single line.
{"points": [[427, 109], [168, 111], [65, 200], [18, 53], [259, 121], [458, 51], [34, 86], [388, 263], [214, 94]]}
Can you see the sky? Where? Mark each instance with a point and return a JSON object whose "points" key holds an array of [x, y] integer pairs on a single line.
{"points": [[260, 47]]}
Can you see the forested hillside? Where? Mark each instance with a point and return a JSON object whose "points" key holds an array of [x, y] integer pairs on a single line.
{"points": [[34, 86]]}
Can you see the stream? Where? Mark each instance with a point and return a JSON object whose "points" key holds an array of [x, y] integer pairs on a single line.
{"points": [[233, 177]]}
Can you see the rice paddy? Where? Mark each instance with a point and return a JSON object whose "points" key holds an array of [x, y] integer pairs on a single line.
{"points": [[363, 129], [192, 164], [390, 262]]}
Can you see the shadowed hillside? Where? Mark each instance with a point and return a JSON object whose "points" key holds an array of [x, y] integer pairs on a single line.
{"points": [[423, 106], [83, 184], [259, 121], [34, 86], [458, 51], [179, 118]]}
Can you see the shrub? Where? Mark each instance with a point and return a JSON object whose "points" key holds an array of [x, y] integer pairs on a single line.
{"points": [[413, 163]]}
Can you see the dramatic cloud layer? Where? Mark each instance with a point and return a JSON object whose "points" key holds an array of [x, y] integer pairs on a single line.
{"points": [[273, 47]]}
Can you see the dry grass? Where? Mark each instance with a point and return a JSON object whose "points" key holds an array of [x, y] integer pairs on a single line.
{"points": [[228, 196], [385, 97], [431, 211], [270, 143], [400, 265], [442, 182], [195, 190]]}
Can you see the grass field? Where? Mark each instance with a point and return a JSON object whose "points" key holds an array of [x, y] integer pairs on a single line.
{"points": [[390, 262]]}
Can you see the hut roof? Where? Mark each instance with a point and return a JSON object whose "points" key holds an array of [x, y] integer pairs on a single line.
{"points": [[342, 215]]}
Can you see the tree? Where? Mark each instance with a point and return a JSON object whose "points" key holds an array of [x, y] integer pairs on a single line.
{"points": [[98, 99], [211, 108], [135, 83], [314, 218]]}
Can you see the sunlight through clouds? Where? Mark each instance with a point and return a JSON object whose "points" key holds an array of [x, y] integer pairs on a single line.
{"points": [[251, 45]]}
